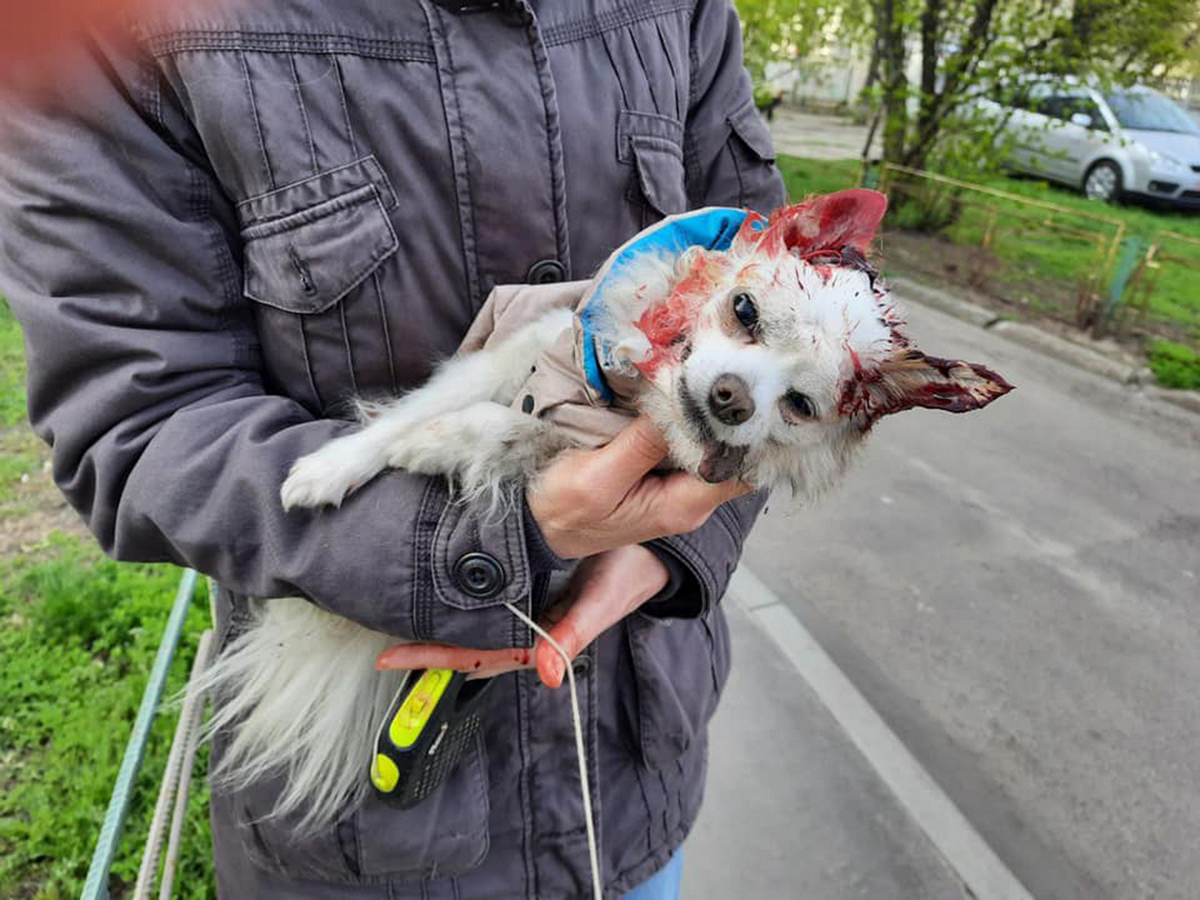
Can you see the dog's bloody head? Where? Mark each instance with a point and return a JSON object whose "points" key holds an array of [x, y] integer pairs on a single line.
{"points": [[775, 357]]}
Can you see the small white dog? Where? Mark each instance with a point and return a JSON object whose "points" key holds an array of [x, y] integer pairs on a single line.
{"points": [[768, 360]]}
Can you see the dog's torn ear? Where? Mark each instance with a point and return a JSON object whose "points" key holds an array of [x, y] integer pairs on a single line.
{"points": [[825, 224], [912, 379]]}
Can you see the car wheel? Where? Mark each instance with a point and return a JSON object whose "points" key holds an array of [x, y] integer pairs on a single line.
{"points": [[1103, 182]]}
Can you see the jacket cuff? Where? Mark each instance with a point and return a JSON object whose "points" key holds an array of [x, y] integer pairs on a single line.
{"points": [[679, 599], [706, 558], [541, 557]]}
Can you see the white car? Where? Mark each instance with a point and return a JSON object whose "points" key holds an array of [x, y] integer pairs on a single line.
{"points": [[1123, 143]]}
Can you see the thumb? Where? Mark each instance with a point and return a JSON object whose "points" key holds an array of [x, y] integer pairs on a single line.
{"points": [[626, 459], [684, 490]]}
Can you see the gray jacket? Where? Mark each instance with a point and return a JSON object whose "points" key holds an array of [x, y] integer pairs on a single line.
{"points": [[213, 240]]}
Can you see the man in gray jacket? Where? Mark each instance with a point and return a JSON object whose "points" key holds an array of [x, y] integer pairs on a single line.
{"points": [[219, 233]]}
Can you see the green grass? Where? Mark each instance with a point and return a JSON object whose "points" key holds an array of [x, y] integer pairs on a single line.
{"points": [[1175, 294], [78, 635], [1046, 265], [817, 176], [21, 459], [78, 639], [1175, 365], [12, 369], [21, 453]]}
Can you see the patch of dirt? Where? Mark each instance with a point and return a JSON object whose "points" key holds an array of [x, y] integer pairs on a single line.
{"points": [[22, 534], [31, 506], [1050, 305]]}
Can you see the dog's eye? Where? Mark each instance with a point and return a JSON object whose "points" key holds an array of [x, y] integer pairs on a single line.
{"points": [[799, 406], [746, 310]]}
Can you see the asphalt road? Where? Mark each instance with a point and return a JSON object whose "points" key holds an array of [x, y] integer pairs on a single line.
{"points": [[1017, 592], [792, 809]]}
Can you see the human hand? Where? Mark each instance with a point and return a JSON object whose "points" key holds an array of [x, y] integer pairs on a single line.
{"points": [[603, 590], [589, 501]]}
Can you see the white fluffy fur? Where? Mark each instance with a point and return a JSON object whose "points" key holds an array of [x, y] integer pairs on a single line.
{"points": [[299, 688], [455, 425]]}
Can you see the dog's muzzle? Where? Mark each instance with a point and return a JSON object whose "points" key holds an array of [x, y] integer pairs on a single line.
{"points": [[721, 461]]}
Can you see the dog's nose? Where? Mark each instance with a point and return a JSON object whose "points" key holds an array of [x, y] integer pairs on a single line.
{"points": [[730, 400]]}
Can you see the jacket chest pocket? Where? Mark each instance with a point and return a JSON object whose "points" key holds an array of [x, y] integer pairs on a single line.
{"points": [[308, 245], [311, 256], [332, 145]]}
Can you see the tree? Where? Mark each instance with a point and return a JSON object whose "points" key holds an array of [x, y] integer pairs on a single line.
{"points": [[967, 49], [778, 31], [931, 60]]}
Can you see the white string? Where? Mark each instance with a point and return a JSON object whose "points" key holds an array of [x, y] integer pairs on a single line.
{"points": [[597, 887]]}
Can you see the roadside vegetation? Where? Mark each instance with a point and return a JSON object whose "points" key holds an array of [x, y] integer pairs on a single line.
{"points": [[1033, 272], [929, 62], [928, 67], [78, 635]]}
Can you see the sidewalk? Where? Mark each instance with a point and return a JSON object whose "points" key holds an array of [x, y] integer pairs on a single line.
{"points": [[793, 809], [815, 136]]}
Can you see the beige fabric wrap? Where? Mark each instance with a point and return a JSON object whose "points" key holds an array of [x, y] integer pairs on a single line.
{"points": [[556, 383]]}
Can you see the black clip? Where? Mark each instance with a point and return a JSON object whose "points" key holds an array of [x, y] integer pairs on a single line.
{"points": [[432, 722]]}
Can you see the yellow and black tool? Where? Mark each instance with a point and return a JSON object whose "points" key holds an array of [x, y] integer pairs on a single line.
{"points": [[431, 722]]}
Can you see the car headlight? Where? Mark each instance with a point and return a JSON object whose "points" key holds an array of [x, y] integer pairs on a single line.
{"points": [[1167, 161]]}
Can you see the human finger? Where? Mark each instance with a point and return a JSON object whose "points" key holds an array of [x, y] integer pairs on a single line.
{"points": [[605, 589], [676, 504], [627, 458], [481, 663]]}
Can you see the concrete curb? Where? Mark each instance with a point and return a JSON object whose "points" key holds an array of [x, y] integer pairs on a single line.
{"points": [[1080, 357], [1049, 344], [1189, 400], [930, 809], [944, 301]]}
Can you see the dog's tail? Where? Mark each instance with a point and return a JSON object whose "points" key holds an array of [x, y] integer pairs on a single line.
{"points": [[301, 697]]}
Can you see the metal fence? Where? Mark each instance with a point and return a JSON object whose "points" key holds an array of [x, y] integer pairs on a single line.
{"points": [[1168, 265], [1055, 259], [175, 784], [1084, 268]]}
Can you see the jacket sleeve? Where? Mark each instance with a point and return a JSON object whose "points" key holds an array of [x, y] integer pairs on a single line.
{"points": [[730, 161], [119, 256], [728, 154]]}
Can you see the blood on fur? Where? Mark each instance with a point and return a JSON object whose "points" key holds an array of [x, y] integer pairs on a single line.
{"points": [[668, 324]]}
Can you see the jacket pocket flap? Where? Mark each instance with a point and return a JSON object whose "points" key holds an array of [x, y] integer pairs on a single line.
{"points": [[660, 174], [301, 195], [306, 261], [653, 143], [632, 124], [748, 125], [464, 531]]}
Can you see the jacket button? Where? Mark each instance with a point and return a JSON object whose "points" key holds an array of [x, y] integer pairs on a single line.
{"points": [[546, 271], [479, 575]]}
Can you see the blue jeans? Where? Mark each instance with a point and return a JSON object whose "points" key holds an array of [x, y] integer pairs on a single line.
{"points": [[664, 885]]}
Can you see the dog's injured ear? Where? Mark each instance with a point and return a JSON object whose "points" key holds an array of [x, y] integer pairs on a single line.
{"points": [[825, 224], [912, 379]]}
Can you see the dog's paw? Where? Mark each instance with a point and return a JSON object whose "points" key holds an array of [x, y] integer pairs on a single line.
{"points": [[313, 482]]}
